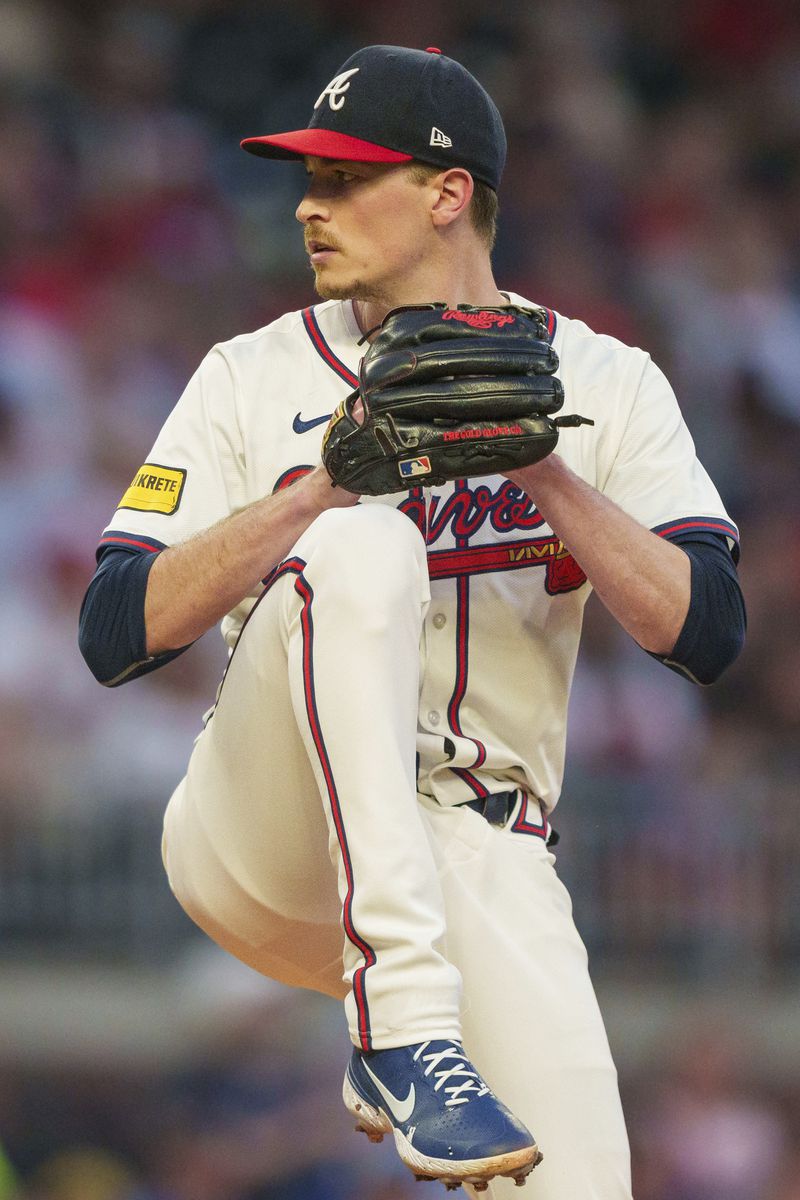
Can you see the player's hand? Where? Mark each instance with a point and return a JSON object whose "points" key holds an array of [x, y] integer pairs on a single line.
{"points": [[316, 490]]}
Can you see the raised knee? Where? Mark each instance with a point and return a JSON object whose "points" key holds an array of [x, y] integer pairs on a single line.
{"points": [[368, 552], [379, 522], [376, 533]]}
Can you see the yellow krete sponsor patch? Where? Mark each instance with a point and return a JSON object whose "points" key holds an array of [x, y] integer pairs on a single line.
{"points": [[155, 489]]}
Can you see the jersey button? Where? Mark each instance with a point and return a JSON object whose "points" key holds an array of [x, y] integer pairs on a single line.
{"points": [[433, 717], [440, 620]]}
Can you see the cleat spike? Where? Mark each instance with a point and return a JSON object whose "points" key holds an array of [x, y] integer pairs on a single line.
{"points": [[480, 1187], [372, 1134]]}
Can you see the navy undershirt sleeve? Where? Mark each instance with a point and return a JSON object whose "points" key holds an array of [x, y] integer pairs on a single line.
{"points": [[112, 634], [714, 629]]}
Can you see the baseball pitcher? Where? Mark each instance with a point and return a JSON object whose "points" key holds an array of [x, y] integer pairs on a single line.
{"points": [[397, 502]]}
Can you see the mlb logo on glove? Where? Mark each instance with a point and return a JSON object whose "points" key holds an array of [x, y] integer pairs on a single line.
{"points": [[409, 467]]}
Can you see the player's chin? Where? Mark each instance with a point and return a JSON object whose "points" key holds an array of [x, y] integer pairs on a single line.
{"points": [[330, 287]]}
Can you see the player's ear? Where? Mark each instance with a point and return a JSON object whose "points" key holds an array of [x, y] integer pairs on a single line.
{"points": [[454, 188]]}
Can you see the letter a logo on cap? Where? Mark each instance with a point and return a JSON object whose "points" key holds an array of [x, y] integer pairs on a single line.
{"points": [[335, 91], [439, 139]]}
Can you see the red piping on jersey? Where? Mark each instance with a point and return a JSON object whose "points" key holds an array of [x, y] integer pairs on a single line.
{"points": [[523, 825], [291, 476], [459, 691], [725, 527], [123, 541], [462, 672], [296, 566], [305, 591], [323, 349]]}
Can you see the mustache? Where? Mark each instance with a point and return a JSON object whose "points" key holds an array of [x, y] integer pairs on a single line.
{"points": [[316, 234]]}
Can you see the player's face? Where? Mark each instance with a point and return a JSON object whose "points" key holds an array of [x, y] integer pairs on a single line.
{"points": [[366, 228]]}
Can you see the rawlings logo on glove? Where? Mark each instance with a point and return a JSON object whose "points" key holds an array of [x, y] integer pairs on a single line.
{"points": [[479, 319], [448, 394]]}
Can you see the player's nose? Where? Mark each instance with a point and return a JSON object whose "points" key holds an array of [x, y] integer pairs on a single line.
{"points": [[311, 207]]}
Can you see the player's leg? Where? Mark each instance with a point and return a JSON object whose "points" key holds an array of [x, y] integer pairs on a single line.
{"points": [[318, 714], [530, 1018]]}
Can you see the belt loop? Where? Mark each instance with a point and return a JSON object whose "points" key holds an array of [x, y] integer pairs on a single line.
{"points": [[497, 808]]}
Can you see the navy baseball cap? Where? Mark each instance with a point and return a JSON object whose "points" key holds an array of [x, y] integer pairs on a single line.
{"points": [[392, 104]]}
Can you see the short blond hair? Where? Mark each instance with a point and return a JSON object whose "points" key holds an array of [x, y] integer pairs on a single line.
{"points": [[483, 208]]}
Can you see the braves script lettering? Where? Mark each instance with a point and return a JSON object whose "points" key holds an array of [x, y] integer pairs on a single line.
{"points": [[466, 512]]}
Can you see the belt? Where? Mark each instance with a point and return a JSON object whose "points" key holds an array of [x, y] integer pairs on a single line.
{"points": [[497, 810]]}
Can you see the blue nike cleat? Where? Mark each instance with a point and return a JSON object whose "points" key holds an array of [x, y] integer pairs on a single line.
{"points": [[447, 1123]]}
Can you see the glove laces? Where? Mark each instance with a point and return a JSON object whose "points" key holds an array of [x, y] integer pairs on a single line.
{"points": [[458, 1079]]}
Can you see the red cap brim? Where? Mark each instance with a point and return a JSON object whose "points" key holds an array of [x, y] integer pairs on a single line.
{"points": [[321, 143]]}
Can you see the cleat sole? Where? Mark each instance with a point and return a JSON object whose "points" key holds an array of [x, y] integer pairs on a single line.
{"points": [[374, 1122], [516, 1165]]}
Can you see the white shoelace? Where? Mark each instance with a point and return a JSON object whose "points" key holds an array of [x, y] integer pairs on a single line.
{"points": [[466, 1082]]}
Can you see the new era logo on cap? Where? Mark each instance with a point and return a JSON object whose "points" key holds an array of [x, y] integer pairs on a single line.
{"points": [[440, 139]]}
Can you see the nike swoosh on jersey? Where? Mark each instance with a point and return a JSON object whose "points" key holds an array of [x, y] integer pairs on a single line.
{"points": [[301, 426], [401, 1110]]}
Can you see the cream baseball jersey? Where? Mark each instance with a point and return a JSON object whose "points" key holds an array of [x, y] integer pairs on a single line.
{"points": [[501, 633]]}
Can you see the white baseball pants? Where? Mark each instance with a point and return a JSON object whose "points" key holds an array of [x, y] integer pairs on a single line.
{"points": [[298, 842]]}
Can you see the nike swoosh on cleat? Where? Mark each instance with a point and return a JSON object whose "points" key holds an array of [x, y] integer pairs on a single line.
{"points": [[401, 1110], [301, 426]]}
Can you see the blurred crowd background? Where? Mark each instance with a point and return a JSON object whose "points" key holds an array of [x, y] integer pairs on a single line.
{"points": [[653, 189]]}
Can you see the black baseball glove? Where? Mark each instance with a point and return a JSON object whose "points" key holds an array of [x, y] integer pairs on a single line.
{"points": [[448, 394]]}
